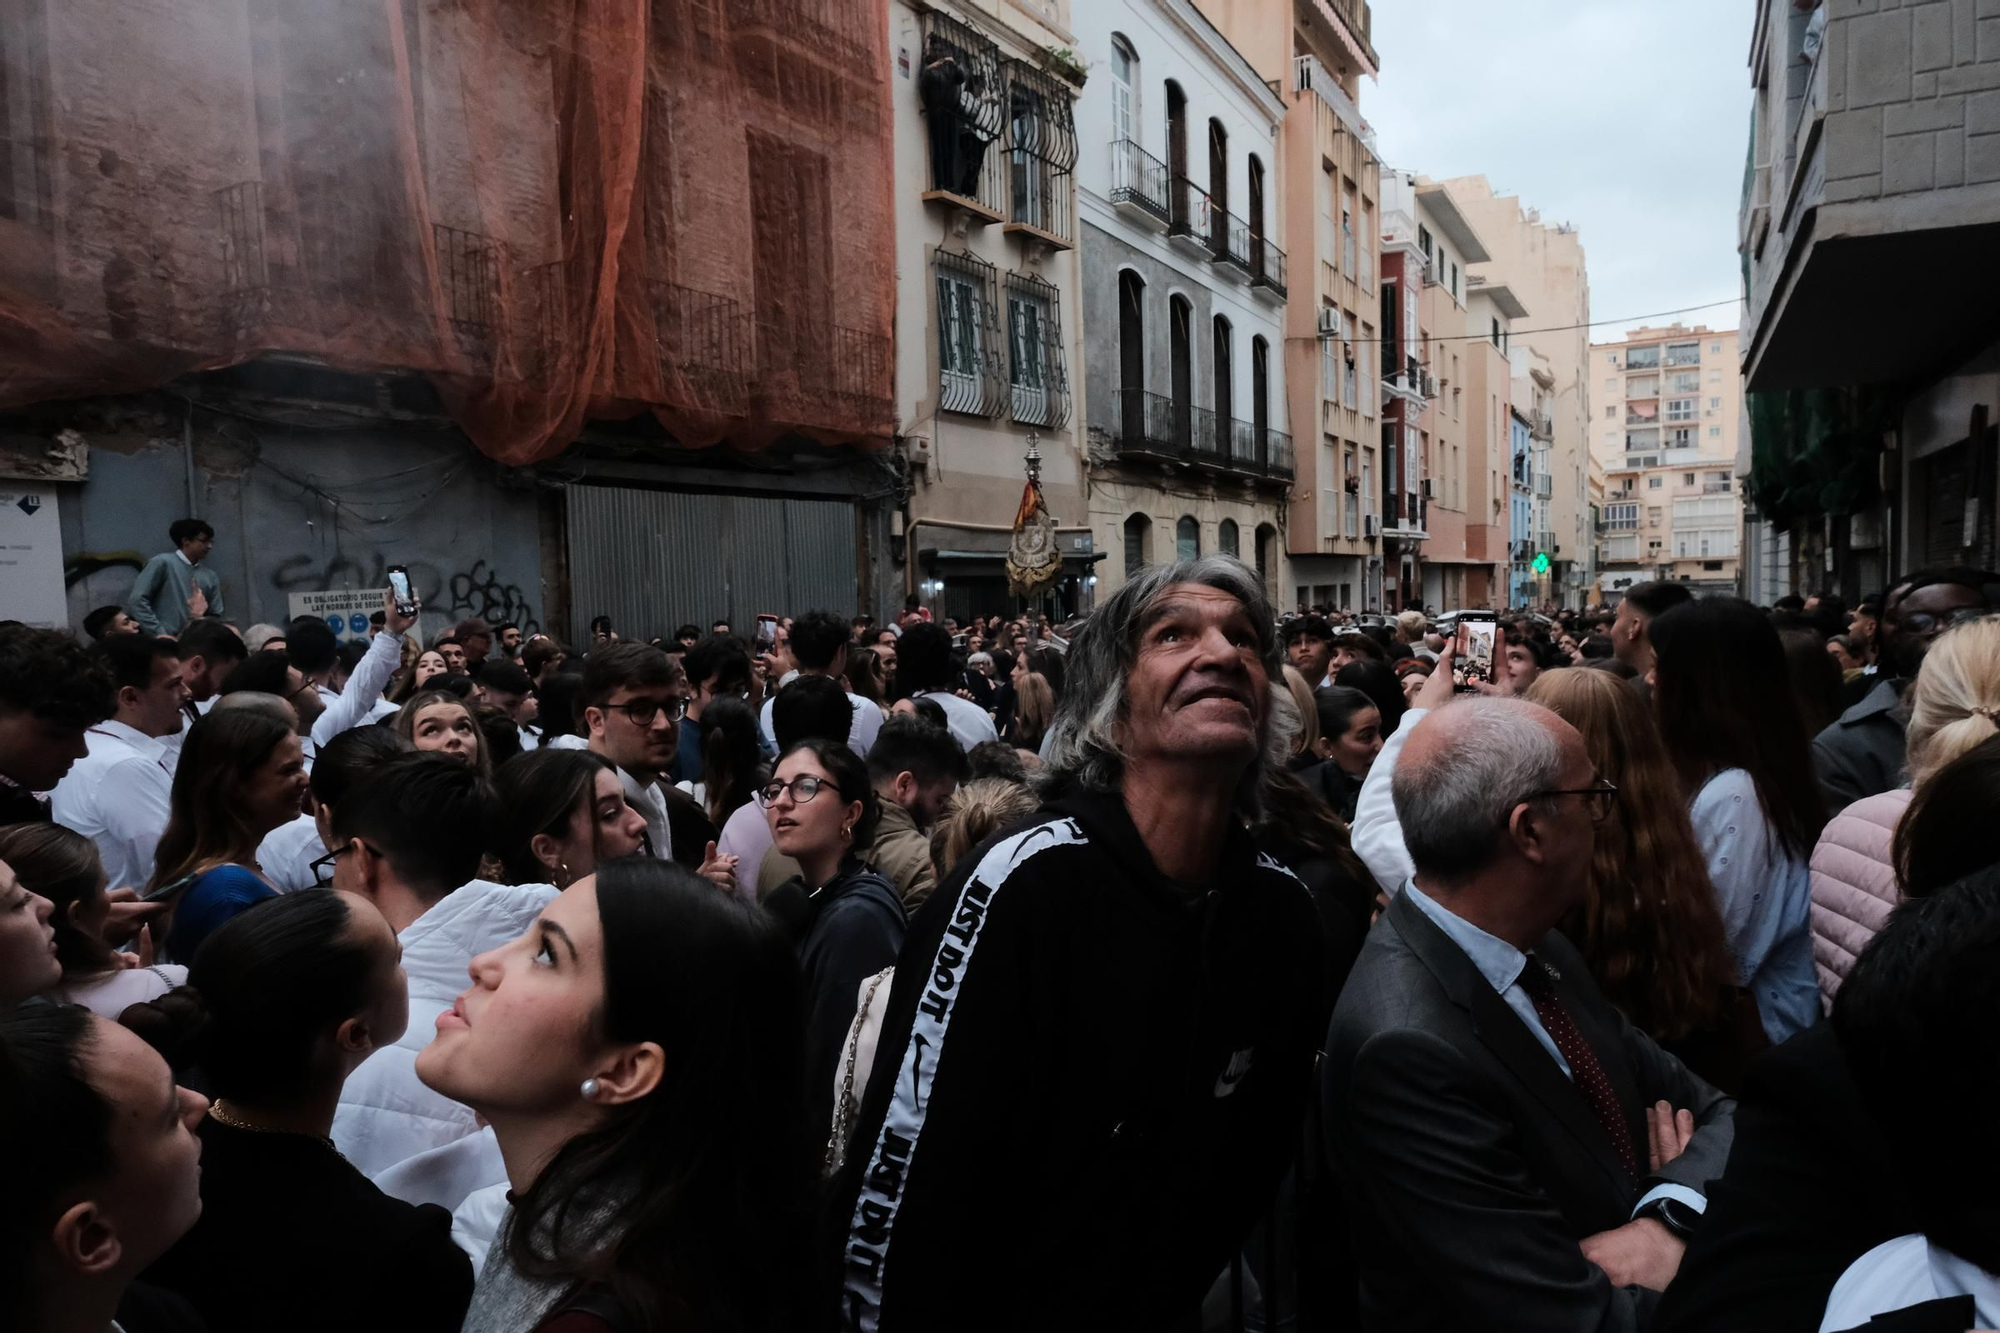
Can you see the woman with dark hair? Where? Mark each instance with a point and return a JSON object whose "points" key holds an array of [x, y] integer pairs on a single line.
{"points": [[1348, 736], [1650, 928], [293, 995], [1946, 833], [848, 919], [428, 667], [1816, 680], [565, 812], [732, 763], [442, 723], [558, 715], [1736, 740], [61, 865], [1378, 681], [637, 1055], [103, 1167], [241, 775], [29, 962]]}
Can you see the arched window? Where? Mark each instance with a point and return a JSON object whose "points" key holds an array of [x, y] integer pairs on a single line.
{"points": [[1225, 536], [1187, 538], [1180, 359], [1224, 354], [1131, 355], [1124, 90], [1138, 544], [1267, 542]]}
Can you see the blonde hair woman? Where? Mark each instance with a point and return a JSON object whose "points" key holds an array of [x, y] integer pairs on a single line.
{"points": [[1410, 627], [1953, 705], [1651, 928]]}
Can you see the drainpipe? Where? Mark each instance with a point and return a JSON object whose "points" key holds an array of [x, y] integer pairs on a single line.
{"points": [[187, 456]]}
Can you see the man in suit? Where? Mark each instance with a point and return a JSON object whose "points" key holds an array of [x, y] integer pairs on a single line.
{"points": [[1514, 1153]]}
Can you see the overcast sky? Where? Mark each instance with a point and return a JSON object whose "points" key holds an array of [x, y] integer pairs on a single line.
{"points": [[1629, 120]]}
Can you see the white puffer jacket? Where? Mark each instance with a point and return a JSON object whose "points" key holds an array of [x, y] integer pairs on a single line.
{"points": [[1853, 885], [386, 1115]]}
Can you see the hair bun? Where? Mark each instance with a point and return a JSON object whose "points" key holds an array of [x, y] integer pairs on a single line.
{"points": [[177, 1025]]}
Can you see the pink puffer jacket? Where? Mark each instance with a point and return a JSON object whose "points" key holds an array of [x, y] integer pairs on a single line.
{"points": [[1853, 885]]}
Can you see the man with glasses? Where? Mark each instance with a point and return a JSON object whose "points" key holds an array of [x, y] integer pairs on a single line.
{"points": [[634, 699], [1861, 752], [1515, 1153]]}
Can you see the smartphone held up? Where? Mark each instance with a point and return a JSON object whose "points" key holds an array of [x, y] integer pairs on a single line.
{"points": [[1474, 647]]}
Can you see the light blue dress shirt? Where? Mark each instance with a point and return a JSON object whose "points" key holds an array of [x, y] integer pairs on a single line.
{"points": [[1501, 964]]}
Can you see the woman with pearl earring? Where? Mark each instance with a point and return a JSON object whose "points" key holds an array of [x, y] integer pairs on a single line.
{"points": [[637, 1056]]}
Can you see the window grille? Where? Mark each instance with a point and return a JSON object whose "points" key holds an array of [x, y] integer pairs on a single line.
{"points": [[970, 359], [1038, 370]]}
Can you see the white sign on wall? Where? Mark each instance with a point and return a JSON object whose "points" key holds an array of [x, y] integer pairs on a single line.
{"points": [[31, 562], [345, 610]]}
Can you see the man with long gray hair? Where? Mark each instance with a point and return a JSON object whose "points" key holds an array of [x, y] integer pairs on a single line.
{"points": [[1516, 1155], [1096, 1052]]}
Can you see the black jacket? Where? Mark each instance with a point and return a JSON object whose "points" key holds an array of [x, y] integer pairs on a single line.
{"points": [[1471, 1165], [848, 931], [1089, 1081], [1809, 1189], [292, 1237], [688, 825], [1861, 752], [18, 805]]}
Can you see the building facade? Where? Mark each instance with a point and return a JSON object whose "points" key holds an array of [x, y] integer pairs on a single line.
{"points": [[1666, 440], [1521, 577], [1317, 52], [1543, 266], [986, 313], [1185, 282], [1874, 149], [1487, 351]]}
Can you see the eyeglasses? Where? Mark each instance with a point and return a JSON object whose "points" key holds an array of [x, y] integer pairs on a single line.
{"points": [[1924, 623], [322, 869], [1601, 797], [803, 789], [643, 711]]}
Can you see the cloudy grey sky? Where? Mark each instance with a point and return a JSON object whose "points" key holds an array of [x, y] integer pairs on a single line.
{"points": [[1629, 120]]}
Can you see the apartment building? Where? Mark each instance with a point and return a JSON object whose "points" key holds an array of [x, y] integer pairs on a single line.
{"points": [[1874, 150], [1492, 312], [986, 151], [1317, 52], [1427, 345], [1543, 266], [1534, 396], [1665, 440], [1185, 284], [1521, 575]]}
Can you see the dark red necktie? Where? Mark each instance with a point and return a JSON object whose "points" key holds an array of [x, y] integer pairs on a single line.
{"points": [[1585, 1070]]}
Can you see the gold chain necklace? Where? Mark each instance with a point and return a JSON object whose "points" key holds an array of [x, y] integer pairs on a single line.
{"points": [[216, 1112]]}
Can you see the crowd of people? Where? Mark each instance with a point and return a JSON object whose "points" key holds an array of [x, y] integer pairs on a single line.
{"points": [[484, 981]]}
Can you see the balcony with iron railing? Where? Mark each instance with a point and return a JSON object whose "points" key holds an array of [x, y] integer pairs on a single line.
{"points": [[1311, 76], [1156, 428], [1541, 426], [1405, 516], [1229, 242], [1190, 217], [1267, 267], [1140, 184]]}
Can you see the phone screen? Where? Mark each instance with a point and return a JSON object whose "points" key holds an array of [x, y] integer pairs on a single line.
{"points": [[767, 633], [1472, 653], [399, 588]]}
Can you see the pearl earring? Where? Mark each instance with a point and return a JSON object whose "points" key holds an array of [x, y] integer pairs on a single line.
{"points": [[589, 1089]]}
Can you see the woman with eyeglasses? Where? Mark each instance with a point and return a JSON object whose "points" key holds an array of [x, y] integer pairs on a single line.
{"points": [[1650, 928], [848, 919], [242, 774], [1737, 742]]}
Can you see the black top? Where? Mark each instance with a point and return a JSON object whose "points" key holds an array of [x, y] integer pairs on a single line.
{"points": [[852, 929], [292, 1237], [1089, 1081], [18, 805], [1808, 1190]]}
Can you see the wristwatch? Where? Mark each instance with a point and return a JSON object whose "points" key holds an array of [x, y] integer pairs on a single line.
{"points": [[1674, 1215]]}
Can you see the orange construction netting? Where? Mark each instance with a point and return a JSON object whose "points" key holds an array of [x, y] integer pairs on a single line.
{"points": [[555, 210]]}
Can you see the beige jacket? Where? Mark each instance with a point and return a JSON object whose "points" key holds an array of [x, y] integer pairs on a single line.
{"points": [[902, 854]]}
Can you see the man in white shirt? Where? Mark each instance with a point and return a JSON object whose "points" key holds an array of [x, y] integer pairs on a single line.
{"points": [[924, 666], [209, 650], [407, 838], [120, 794], [819, 648]]}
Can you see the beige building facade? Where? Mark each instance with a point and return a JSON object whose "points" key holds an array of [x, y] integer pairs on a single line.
{"points": [[1669, 406], [1543, 266], [988, 296], [1317, 52]]}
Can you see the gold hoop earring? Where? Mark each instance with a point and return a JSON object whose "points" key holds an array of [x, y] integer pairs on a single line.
{"points": [[562, 869], [846, 831]]}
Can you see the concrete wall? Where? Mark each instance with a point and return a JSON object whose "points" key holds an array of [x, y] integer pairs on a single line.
{"points": [[302, 512]]}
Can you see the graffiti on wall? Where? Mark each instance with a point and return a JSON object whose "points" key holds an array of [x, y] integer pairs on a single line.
{"points": [[477, 591], [99, 578]]}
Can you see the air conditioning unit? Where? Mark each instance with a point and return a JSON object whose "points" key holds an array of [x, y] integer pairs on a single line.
{"points": [[1431, 278], [1329, 322], [1371, 526]]}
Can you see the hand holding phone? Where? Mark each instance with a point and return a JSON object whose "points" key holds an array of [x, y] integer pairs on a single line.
{"points": [[400, 589], [767, 633], [1474, 648]]}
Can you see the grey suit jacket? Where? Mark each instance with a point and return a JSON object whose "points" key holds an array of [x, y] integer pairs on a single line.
{"points": [[1472, 1166]]}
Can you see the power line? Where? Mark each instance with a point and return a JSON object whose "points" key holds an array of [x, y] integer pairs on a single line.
{"points": [[1565, 328]]}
